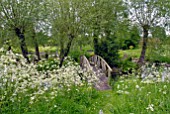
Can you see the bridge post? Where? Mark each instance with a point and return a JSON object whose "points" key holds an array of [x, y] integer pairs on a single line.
{"points": [[109, 77]]}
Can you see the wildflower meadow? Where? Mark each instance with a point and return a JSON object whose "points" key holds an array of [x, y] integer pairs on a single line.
{"points": [[46, 88], [23, 86]]}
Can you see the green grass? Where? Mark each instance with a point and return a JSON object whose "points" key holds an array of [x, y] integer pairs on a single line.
{"points": [[132, 96], [129, 95], [133, 53], [44, 49]]}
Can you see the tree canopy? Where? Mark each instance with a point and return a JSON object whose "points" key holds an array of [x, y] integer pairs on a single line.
{"points": [[97, 22]]}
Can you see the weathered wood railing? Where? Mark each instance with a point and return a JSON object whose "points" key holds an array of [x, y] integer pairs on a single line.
{"points": [[84, 63], [101, 63]]}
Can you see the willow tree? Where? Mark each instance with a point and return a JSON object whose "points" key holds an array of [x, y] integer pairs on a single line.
{"points": [[68, 17], [148, 14], [106, 16], [18, 15]]}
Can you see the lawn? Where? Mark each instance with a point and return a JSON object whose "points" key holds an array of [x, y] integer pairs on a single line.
{"points": [[131, 53]]}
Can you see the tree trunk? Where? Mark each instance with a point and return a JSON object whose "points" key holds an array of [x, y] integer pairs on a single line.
{"points": [[144, 46], [96, 32], [96, 45], [9, 45], [81, 47], [61, 48], [36, 46], [66, 50], [23, 45]]}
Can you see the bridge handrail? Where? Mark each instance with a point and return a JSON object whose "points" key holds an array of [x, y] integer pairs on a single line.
{"points": [[85, 63], [101, 63]]}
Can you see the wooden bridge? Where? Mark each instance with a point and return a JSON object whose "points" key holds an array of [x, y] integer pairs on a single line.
{"points": [[100, 68]]}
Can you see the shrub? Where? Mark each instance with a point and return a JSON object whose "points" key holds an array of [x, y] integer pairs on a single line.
{"points": [[132, 40], [76, 54], [108, 49], [127, 66]]}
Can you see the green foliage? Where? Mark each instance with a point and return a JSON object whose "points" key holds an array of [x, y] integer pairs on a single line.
{"points": [[76, 54], [76, 100], [108, 49], [73, 100], [106, 26], [158, 50], [158, 32], [130, 39], [127, 66], [128, 59], [49, 64], [43, 40]]}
